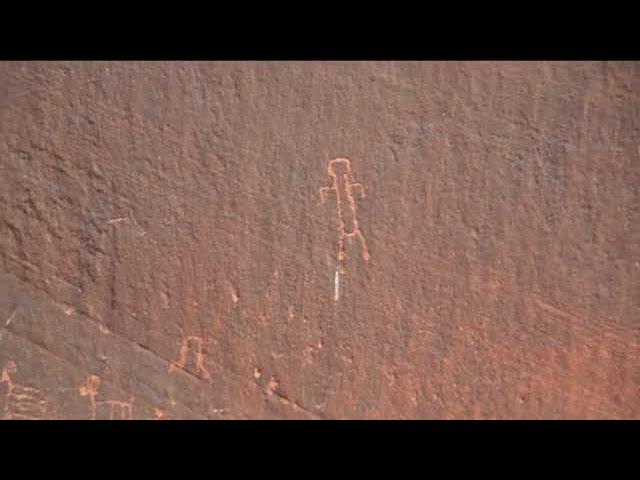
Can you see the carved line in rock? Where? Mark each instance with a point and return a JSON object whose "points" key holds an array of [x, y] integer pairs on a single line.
{"points": [[117, 409], [21, 402], [343, 186], [339, 169], [181, 362]]}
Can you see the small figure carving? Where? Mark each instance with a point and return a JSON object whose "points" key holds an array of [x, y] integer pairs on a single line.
{"points": [[21, 402], [343, 186], [184, 354], [115, 409]]}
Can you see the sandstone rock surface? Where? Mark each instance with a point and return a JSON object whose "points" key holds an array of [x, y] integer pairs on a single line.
{"points": [[319, 240]]}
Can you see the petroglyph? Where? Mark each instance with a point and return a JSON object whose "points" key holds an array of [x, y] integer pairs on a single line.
{"points": [[25, 403], [339, 169], [112, 409], [343, 185], [181, 363]]}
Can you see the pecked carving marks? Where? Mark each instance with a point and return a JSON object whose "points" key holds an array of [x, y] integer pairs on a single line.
{"points": [[21, 402], [196, 345], [344, 188], [111, 409]]}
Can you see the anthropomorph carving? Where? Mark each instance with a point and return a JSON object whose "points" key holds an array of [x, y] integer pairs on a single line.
{"points": [[111, 409], [343, 186], [181, 363], [20, 402]]}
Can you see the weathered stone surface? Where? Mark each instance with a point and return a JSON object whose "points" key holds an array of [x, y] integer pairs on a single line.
{"points": [[167, 253]]}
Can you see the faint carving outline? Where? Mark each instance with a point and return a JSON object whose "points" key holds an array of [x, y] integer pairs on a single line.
{"points": [[17, 395]]}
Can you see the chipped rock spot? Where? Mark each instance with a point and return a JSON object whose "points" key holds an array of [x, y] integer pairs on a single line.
{"points": [[159, 414], [272, 385], [235, 296], [10, 319], [307, 355], [257, 373], [165, 299]]}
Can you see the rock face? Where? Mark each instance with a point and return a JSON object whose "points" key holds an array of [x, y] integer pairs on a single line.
{"points": [[319, 240]]}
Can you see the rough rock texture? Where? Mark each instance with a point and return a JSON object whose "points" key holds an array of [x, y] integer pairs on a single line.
{"points": [[185, 240]]}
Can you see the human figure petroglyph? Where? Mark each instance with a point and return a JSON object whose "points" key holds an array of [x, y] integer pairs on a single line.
{"points": [[20, 402], [184, 354], [116, 409], [339, 169]]}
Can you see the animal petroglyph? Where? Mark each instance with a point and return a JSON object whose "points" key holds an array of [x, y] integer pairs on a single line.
{"points": [[112, 409], [343, 186], [181, 363], [20, 402]]}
